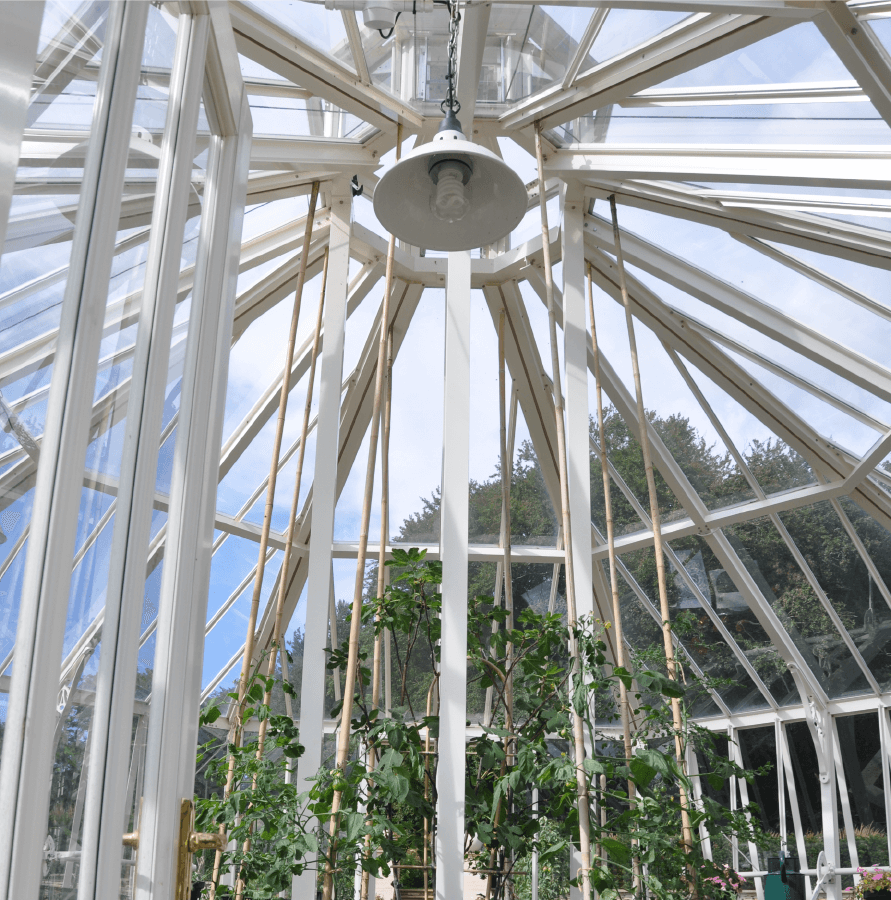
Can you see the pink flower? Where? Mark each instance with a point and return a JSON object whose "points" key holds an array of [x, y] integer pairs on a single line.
{"points": [[876, 877]]}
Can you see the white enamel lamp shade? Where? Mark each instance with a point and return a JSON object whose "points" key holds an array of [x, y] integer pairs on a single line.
{"points": [[497, 196]]}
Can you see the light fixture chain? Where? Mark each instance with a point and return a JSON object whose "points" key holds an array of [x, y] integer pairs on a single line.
{"points": [[451, 101]]}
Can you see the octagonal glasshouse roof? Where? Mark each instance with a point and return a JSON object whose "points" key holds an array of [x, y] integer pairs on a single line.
{"points": [[144, 333]]}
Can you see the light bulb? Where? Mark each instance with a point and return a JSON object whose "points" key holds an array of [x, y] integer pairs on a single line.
{"points": [[449, 201]]}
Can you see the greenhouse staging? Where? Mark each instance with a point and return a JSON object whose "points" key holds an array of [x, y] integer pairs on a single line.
{"points": [[445, 450]]}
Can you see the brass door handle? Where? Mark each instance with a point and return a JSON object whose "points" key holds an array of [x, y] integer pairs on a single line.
{"points": [[204, 840]]}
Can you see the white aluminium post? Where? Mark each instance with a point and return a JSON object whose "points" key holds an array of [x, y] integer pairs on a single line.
{"points": [[324, 498], [578, 467], [27, 754], [18, 52], [575, 356], [454, 511], [179, 654], [110, 748]]}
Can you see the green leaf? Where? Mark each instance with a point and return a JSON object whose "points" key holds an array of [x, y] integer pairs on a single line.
{"points": [[210, 715], [617, 850], [716, 781]]}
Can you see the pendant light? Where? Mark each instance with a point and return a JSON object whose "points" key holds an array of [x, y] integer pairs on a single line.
{"points": [[450, 194]]}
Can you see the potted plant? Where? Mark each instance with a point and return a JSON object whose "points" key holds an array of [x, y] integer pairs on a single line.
{"points": [[874, 884]]}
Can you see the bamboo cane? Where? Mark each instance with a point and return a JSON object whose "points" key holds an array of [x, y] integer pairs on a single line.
{"points": [[267, 514], [499, 568], [577, 723], [506, 471], [670, 662], [613, 573], [343, 742], [295, 500], [385, 521], [381, 572], [289, 540]]}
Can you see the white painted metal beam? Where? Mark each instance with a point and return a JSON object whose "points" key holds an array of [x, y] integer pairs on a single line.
{"points": [[449, 843], [831, 237], [860, 50], [745, 308], [742, 94], [312, 693], [592, 29], [472, 31], [299, 62], [27, 755], [176, 683], [691, 43], [837, 166]]}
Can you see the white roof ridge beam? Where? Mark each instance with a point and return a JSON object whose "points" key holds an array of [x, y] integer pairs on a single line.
{"points": [[307, 153], [818, 203], [354, 37], [747, 309], [694, 41], [817, 275], [863, 55], [719, 367], [33, 230], [275, 286], [804, 92], [586, 42], [829, 237], [870, 9], [472, 31], [831, 166], [299, 62]]}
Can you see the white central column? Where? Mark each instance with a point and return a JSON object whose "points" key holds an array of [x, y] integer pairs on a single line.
{"points": [[324, 499], [578, 467], [453, 548], [575, 355]]}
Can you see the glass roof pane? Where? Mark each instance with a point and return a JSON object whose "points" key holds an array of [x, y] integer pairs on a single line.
{"points": [[785, 588], [527, 48], [882, 28], [228, 634], [702, 636], [680, 421], [842, 429], [627, 28], [798, 54], [302, 115], [843, 575], [774, 284], [770, 123], [312, 23]]}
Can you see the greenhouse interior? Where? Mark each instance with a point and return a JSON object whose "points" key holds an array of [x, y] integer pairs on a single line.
{"points": [[447, 450]]}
